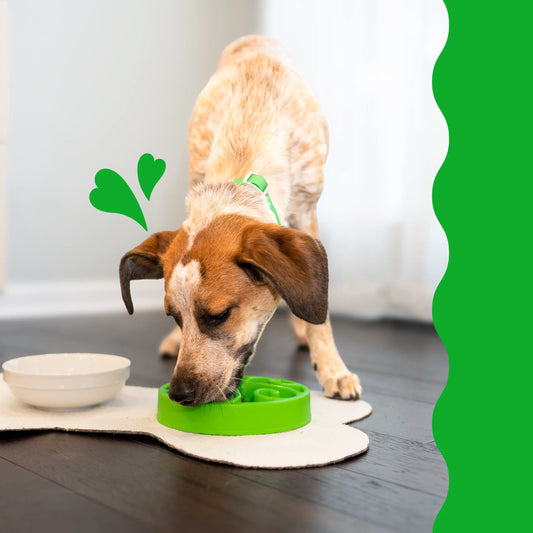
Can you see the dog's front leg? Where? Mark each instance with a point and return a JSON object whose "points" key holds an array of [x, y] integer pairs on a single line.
{"points": [[170, 345], [336, 380]]}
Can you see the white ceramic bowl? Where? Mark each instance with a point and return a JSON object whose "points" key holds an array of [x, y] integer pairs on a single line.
{"points": [[66, 380]]}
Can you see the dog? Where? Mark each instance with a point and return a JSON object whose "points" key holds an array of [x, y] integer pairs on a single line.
{"points": [[230, 263]]}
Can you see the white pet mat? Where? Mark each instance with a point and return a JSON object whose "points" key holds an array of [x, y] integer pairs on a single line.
{"points": [[326, 439]]}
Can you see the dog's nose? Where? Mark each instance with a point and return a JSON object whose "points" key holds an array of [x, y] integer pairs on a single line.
{"points": [[181, 392]]}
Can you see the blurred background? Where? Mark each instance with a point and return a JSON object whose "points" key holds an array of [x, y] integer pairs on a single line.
{"points": [[86, 85]]}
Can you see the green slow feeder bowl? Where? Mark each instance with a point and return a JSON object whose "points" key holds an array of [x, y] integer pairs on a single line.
{"points": [[260, 405]]}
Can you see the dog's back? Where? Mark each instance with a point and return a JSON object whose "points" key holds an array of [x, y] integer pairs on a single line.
{"points": [[252, 45], [257, 114]]}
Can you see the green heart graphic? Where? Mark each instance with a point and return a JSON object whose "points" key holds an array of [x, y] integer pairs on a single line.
{"points": [[113, 195], [149, 172]]}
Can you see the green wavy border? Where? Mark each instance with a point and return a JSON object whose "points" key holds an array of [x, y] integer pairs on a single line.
{"points": [[482, 309]]}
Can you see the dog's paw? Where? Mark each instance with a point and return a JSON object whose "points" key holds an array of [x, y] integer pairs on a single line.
{"points": [[346, 387]]}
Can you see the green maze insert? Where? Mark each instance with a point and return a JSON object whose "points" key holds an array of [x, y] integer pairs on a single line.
{"points": [[260, 405]]}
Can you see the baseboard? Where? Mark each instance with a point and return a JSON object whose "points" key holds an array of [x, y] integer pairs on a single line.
{"points": [[31, 300], [362, 301]]}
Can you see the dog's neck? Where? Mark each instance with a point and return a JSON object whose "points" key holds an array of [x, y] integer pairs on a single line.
{"points": [[208, 201], [262, 151], [218, 195]]}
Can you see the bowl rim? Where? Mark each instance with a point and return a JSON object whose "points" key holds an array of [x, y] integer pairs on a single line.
{"points": [[5, 365]]}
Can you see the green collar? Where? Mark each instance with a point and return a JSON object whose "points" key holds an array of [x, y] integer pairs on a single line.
{"points": [[261, 184]]}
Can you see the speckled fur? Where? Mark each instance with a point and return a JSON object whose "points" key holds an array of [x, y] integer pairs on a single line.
{"points": [[256, 114]]}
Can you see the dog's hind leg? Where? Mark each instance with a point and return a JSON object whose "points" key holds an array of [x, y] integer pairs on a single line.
{"points": [[170, 345]]}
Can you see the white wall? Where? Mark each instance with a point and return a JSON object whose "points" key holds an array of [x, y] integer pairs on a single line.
{"points": [[3, 137], [370, 63], [95, 84]]}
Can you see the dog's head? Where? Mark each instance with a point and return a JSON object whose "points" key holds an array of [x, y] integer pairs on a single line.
{"points": [[222, 285]]}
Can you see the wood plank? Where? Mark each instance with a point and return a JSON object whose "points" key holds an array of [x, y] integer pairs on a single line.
{"points": [[419, 390], [405, 349], [392, 506], [397, 417], [29, 502], [161, 488], [417, 466]]}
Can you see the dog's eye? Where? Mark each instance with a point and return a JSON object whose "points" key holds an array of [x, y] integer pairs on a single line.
{"points": [[177, 318], [176, 315], [216, 320]]}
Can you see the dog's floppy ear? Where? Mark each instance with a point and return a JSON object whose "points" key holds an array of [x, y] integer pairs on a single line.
{"points": [[143, 262], [293, 262]]}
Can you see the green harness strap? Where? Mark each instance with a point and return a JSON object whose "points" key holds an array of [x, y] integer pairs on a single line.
{"points": [[261, 184]]}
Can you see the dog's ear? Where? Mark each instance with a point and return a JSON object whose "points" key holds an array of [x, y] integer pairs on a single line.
{"points": [[293, 262], [143, 262]]}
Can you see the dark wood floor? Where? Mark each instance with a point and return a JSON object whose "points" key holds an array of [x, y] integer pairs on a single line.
{"points": [[52, 481]]}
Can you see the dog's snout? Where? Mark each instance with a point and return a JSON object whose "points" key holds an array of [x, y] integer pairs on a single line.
{"points": [[181, 392]]}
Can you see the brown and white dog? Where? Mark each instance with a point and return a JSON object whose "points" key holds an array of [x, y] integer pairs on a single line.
{"points": [[229, 264]]}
